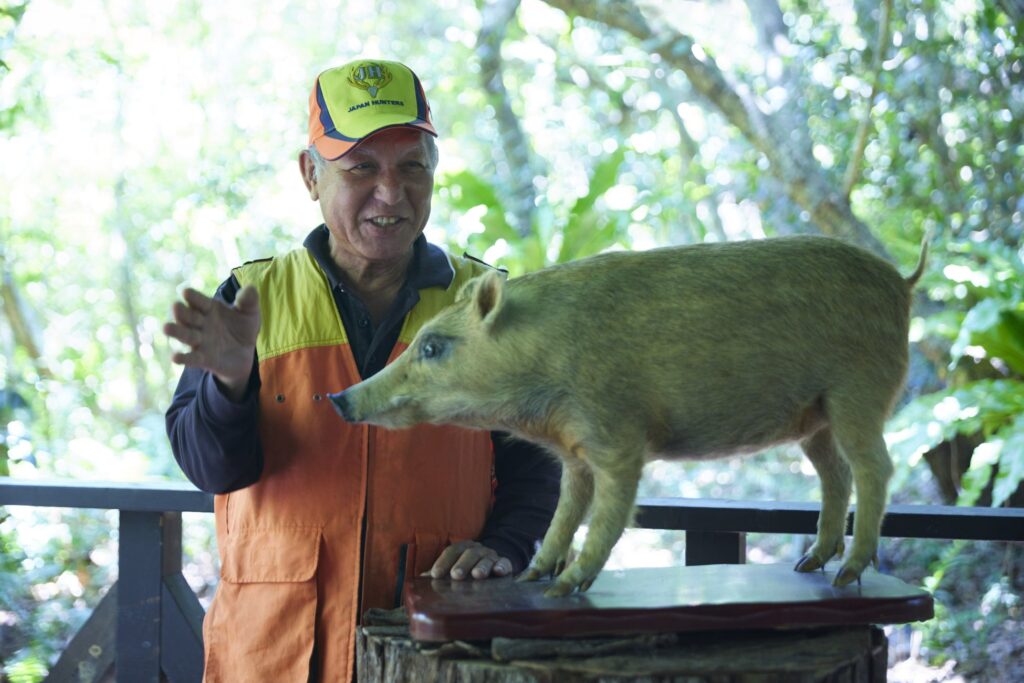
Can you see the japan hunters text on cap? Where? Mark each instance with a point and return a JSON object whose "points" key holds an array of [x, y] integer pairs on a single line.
{"points": [[353, 101]]}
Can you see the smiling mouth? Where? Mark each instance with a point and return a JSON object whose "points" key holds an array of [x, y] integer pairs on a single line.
{"points": [[385, 221]]}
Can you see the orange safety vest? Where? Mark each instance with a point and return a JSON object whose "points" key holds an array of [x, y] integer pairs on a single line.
{"points": [[294, 563]]}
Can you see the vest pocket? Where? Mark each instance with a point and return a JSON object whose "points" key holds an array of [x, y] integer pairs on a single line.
{"points": [[270, 554]]}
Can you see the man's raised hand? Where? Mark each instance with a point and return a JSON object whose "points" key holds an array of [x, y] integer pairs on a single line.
{"points": [[221, 337]]}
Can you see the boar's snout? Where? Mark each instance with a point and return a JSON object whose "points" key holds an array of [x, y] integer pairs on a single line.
{"points": [[343, 406]]}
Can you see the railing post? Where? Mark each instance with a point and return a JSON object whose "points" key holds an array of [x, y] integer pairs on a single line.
{"points": [[181, 615], [147, 541], [715, 547]]}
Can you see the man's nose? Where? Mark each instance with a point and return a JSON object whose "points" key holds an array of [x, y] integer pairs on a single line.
{"points": [[390, 189]]}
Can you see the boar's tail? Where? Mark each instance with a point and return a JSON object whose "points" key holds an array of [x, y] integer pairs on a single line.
{"points": [[913, 277]]}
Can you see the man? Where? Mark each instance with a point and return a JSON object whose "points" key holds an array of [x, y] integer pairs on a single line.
{"points": [[318, 520]]}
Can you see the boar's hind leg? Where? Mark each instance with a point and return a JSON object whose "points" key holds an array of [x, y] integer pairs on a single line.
{"points": [[864, 448], [616, 477], [835, 499], [577, 490]]}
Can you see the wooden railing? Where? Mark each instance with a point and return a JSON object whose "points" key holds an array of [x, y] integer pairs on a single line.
{"points": [[150, 622]]}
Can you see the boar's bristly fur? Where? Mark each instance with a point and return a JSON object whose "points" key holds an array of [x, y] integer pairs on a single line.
{"points": [[684, 352]]}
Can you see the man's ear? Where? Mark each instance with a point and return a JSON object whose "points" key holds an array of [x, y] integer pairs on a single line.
{"points": [[489, 297], [308, 170]]}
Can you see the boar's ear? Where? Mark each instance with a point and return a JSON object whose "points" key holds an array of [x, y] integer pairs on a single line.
{"points": [[488, 297]]}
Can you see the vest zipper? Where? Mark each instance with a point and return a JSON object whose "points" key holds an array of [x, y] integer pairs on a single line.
{"points": [[366, 513]]}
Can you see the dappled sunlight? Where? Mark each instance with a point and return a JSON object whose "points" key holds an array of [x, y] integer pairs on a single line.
{"points": [[149, 146], [777, 474]]}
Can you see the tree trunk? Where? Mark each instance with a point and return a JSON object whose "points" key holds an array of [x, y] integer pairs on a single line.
{"points": [[514, 162], [17, 314], [860, 142]]}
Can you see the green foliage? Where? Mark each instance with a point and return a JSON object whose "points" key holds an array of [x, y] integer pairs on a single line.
{"points": [[14, 415], [988, 340], [27, 668], [578, 230], [56, 565], [974, 598]]}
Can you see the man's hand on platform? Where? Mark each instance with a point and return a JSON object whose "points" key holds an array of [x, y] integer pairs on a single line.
{"points": [[470, 559]]}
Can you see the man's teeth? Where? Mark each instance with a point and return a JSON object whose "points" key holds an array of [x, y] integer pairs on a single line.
{"points": [[384, 221]]}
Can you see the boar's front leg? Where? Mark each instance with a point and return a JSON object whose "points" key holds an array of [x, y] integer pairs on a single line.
{"points": [[616, 477], [577, 490]]}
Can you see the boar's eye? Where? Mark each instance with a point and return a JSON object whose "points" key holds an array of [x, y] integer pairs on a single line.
{"points": [[433, 348]]}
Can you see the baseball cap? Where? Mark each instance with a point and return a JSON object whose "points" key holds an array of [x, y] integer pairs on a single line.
{"points": [[351, 102]]}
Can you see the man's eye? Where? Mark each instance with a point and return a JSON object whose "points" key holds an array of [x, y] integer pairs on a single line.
{"points": [[415, 166]]}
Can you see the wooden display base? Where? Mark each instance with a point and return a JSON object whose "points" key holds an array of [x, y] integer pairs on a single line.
{"points": [[663, 600]]}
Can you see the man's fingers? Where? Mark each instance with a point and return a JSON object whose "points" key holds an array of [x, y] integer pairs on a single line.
{"points": [[185, 315], [444, 563], [186, 335], [503, 567], [191, 359], [197, 300], [483, 568], [247, 300], [470, 558]]}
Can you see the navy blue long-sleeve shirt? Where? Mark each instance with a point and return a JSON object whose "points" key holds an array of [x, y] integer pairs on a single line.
{"points": [[216, 440]]}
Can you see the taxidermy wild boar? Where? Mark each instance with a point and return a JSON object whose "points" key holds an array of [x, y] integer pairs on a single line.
{"points": [[687, 352]]}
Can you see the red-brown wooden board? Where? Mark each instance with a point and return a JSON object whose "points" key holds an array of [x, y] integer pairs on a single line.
{"points": [[699, 598]]}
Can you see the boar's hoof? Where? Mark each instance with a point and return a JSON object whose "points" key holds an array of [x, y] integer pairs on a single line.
{"points": [[809, 563], [816, 558], [559, 589], [846, 576], [530, 574]]}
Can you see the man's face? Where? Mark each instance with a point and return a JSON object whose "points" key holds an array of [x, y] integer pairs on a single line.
{"points": [[376, 199]]}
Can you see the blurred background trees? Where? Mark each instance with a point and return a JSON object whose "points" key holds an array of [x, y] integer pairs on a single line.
{"points": [[149, 146]]}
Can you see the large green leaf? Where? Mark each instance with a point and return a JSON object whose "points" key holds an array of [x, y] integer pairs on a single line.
{"points": [[467, 191], [602, 180], [588, 235], [14, 11], [585, 232], [998, 327], [1011, 462], [985, 406]]}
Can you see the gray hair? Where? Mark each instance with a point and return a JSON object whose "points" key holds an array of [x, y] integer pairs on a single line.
{"points": [[319, 163]]}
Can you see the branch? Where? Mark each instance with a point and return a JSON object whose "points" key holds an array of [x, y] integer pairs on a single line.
{"points": [[805, 181], [861, 138], [1013, 8], [495, 17], [19, 319]]}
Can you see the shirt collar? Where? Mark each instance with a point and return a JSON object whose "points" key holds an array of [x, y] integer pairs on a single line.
{"points": [[429, 267]]}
